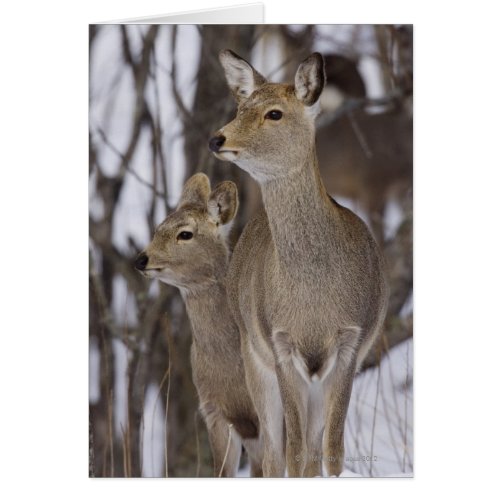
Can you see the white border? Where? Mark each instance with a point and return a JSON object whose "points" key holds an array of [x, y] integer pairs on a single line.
{"points": [[239, 14], [44, 251]]}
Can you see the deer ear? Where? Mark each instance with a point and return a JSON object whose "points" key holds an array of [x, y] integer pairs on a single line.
{"points": [[310, 79], [241, 77], [196, 191], [223, 202]]}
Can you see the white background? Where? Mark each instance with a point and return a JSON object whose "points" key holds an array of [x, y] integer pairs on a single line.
{"points": [[44, 283]]}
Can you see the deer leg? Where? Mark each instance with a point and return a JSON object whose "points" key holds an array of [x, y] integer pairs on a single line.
{"points": [[315, 426], [256, 469], [294, 384], [337, 393], [264, 391], [293, 391], [224, 442], [254, 450]]}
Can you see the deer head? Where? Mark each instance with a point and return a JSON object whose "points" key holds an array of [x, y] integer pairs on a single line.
{"points": [[189, 248], [274, 126]]}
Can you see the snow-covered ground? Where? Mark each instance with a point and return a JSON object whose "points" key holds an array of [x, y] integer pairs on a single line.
{"points": [[379, 427]]}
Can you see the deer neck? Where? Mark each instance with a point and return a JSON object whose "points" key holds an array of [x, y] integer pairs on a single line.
{"points": [[300, 215], [209, 315]]}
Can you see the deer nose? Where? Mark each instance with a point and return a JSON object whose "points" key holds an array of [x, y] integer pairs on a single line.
{"points": [[215, 143], [141, 261]]}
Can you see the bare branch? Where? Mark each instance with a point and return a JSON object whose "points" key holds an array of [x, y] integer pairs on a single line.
{"points": [[126, 166]]}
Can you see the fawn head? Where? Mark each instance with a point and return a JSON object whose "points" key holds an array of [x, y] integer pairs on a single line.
{"points": [[274, 127], [189, 248]]}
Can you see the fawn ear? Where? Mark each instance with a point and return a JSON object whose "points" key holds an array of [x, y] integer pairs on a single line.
{"points": [[223, 202], [196, 191], [310, 79], [240, 75]]}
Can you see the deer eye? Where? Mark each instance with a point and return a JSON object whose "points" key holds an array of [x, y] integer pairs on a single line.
{"points": [[185, 235], [274, 114]]}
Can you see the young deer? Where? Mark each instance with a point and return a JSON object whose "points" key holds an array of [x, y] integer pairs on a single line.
{"points": [[306, 282], [190, 251]]}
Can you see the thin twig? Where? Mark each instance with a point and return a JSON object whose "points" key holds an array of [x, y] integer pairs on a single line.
{"points": [[130, 380], [359, 421], [164, 378], [357, 431], [197, 443], [166, 423], [347, 49], [227, 449], [354, 103], [91, 451], [167, 397], [140, 71], [141, 438], [387, 408], [106, 316], [125, 161], [374, 420], [396, 408], [126, 451], [158, 131], [186, 115], [360, 136], [407, 381], [110, 431]]}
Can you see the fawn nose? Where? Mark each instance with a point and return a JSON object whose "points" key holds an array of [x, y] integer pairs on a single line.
{"points": [[141, 261], [215, 143]]}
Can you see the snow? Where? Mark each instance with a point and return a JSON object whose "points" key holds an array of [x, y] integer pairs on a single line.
{"points": [[370, 71], [349, 473], [379, 426], [124, 305], [354, 207], [265, 54], [120, 388], [153, 435], [393, 217], [407, 308], [244, 471]]}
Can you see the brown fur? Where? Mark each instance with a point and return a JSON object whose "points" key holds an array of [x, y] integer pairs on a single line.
{"points": [[306, 283], [198, 268], [368, 158]]}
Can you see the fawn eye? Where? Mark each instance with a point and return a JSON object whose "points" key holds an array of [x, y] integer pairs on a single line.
{"points": [[274, 114], [185, 235]]}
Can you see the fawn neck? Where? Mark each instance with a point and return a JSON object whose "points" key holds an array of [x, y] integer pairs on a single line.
{"points": [[209, 314], [301, 216]]}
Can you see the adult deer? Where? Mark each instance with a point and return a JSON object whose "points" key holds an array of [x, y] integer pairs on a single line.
{"points": [[306, 283], [190, 251], [357, 161], [368, 158]]}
